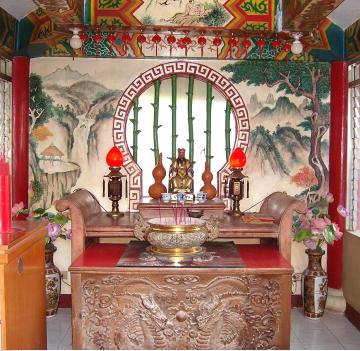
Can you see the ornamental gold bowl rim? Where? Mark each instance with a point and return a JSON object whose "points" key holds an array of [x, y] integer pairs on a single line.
{"points": [[179, 229], [186, 228]]}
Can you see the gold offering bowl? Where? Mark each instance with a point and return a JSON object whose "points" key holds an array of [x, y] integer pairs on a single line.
{"points": [[176, 240]]}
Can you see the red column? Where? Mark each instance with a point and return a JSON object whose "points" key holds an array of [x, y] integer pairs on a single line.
{"points": [[337, 164], [20, 130]]}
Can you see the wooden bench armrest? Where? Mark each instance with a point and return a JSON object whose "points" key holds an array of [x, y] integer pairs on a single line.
{"points": [[281, 206], [82, 205]]}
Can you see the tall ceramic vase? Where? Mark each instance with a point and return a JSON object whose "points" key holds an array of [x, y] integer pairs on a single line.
{"points": [[52, 282], [314, 285]]}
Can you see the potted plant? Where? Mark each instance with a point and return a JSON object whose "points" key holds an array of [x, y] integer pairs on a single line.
{"points": [[56, 229], [315, 229]]}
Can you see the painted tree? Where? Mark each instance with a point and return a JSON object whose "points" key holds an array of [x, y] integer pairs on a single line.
{"points": [[310, 80], [40, 108]]}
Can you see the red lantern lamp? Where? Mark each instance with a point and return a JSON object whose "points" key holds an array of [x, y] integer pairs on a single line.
{"points": [[115, 160], [235, 183], [237, 158]]}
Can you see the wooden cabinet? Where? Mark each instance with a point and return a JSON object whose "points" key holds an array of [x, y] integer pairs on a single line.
{"points": [[181, 308], [22, 286]]}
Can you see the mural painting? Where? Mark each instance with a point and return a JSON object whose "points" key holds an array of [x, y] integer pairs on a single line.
{"points": [[73, 104]]}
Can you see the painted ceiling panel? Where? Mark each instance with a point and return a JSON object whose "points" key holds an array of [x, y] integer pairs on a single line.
{"points": [[305, 15]]}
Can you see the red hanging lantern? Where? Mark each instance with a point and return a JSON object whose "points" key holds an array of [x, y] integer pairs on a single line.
{"points": [[217, 42], [156, 39], [84, 37], [171, 41], [287, 48], [97, 39], [232, 42], [246, 44], [275, 44], [126, 40], [237, 158], [111, 39], [114, 157], [260, 44], [141, 39], [202, 42], [185, 41]]}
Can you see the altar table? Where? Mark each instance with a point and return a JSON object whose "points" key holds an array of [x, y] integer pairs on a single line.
{"points": [[181, 308]]}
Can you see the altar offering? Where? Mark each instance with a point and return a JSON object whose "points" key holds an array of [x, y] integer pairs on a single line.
{"points": [[176, 237]]}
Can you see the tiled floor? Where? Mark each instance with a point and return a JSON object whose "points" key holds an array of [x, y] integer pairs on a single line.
{"points": [[332, 332]]}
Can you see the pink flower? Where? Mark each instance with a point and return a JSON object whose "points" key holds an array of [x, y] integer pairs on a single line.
{"points": [[30, 216], [342, 211], [329, 197], [54, 231], [319, 224], [17, 208], [310, 244], [68, 233], [338, 233]]}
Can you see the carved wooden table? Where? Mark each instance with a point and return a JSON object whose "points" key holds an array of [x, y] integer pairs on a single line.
{"points": [[181, 308]]}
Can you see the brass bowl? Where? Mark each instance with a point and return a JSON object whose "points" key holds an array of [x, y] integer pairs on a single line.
{"points": [[176, 240]]}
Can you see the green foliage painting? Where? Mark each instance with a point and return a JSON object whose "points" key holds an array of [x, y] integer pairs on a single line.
{"points": [[311, 81]]}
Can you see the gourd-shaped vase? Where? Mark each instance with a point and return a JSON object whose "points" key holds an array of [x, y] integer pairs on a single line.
{"points": [[207, 177], [159, 173]]}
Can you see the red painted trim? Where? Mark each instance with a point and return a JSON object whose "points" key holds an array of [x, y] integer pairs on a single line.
{"points": [[296, 301], [353, 316], [337, 164], [20, 129], [65, 301]]}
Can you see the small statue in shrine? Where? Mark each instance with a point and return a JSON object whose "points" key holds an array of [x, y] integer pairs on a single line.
{"points": [[181, 174]]}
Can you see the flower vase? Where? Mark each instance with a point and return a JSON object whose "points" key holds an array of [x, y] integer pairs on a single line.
{"points": [[52, 282], [314, 285]]}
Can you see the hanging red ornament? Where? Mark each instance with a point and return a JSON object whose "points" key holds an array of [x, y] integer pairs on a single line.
{"points": [[185, 41], [275, 44], [97, 39], [287, 48], [246, 44], [156, 39], [217, 42], [171, 41], [126, 40], [202, 42], [141, 39], [260, 44], [232, 42], [84, 37], [111, 39]]}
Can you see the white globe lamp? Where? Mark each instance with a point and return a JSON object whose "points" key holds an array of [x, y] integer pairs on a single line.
{"points": [[75, 41], [296, 46]]}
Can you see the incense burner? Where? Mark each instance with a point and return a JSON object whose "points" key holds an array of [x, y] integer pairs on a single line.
{"points": [[169, 238]]}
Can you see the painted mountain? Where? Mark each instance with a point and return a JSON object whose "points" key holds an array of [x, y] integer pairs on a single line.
{"points": [[76, 107], [284, 113], [280, 151], [65, 77]]}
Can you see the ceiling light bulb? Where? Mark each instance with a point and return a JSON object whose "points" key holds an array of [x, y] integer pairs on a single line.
{"points": [[296, 46], [75, 41]]}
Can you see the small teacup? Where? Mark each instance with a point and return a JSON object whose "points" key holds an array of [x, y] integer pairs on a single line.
{"points": [[181, 197], [166, 197], [201, 196]]}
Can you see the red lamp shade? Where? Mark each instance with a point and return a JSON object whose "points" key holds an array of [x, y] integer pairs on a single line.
{"points": [[237, 158], [114, 158]]}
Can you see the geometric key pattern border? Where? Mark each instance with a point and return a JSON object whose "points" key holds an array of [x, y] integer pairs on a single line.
{"points": [[165, 71]]}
